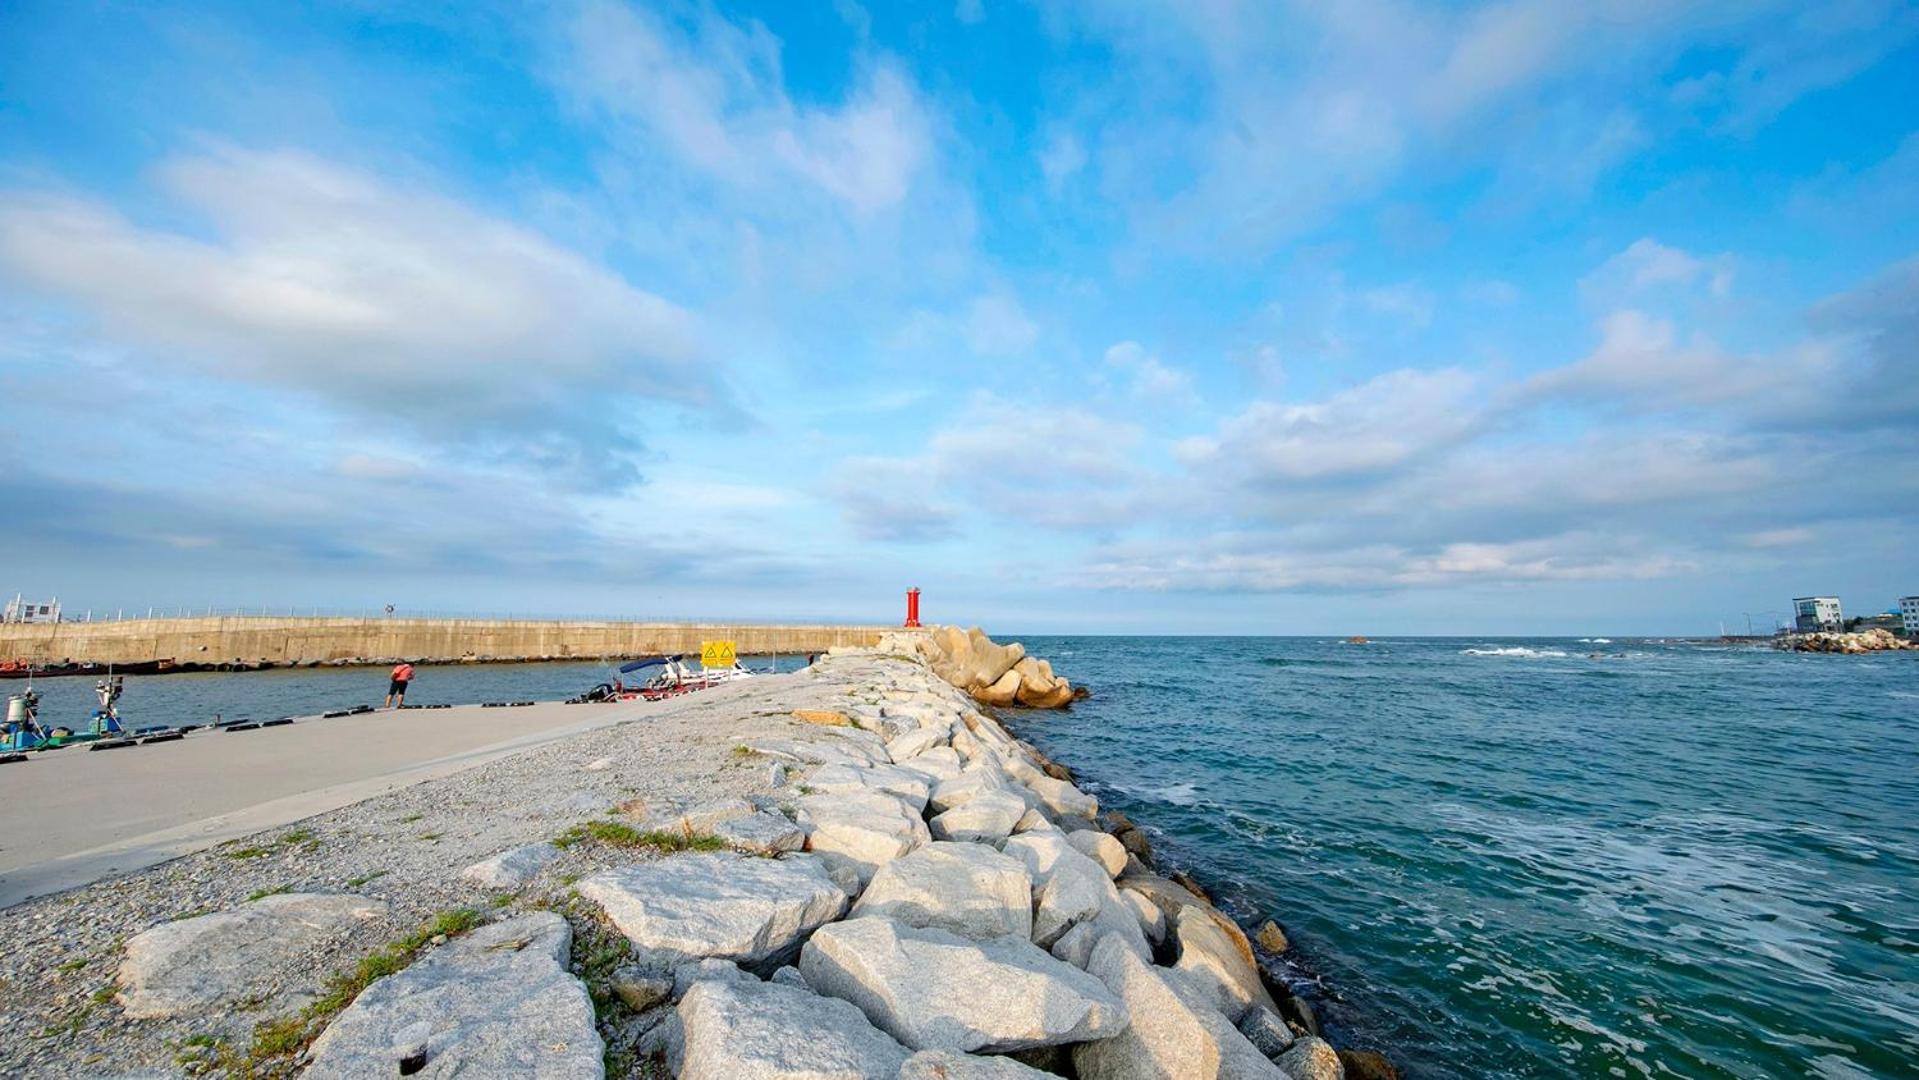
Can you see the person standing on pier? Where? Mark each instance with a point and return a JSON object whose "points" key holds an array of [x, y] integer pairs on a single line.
{"points": [[396, 689]]}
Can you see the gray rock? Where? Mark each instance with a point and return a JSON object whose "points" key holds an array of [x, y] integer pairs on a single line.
{"points": [[1175, 1032], [690, 907], [789, 976], [1265, 1030], [639, 987], [909, 786], [772, 1031], [708, 970], [1312, 1058], [196, 964], [1064, 799], [1151, 919], [1068, 887], [916, 742], [1034, 818], [986, 818], [868, 828], [760, 833], [1100, 848], [1220, 962], [776, 775], [939, 763], [511, 869], [701, 818], [934, 990], [965, 787], [969, 889], [948, 1065], [498, 1002]]}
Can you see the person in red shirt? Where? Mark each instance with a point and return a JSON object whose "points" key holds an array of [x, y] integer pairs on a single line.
{"points": [[396, 689]]}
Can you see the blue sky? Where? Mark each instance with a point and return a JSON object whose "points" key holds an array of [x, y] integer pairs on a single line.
{"points": [[1086, 317]]}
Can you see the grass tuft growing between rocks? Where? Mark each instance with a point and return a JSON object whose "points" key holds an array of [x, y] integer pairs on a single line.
{"points": [[262, 894], [302, 839], [278, 1042], [620, 834], [599, 949]]}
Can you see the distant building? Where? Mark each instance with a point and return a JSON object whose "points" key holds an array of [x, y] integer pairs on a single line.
{"points": [[1817, 613], [19, 610], [1909, 614]]}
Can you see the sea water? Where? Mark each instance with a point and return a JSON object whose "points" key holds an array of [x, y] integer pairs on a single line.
{"points": [[1531, 858], [1495, 858]]}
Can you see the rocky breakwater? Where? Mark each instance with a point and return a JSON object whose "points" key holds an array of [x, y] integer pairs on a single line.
{"points": [[989, 673], [1865, 641], [910, 893]]}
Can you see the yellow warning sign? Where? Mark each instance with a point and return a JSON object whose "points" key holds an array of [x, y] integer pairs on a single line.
{"points": [[717, 654]]}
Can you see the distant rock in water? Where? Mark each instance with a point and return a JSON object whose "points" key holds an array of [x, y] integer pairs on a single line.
{"points": [[1357, 639], [1865, 641]]}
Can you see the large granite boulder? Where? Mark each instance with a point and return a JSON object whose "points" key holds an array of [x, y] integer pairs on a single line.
{"points": [[760, 833], [867, 829], [905, 784], [193, 965], [948, 1065], [770, 1031], [1068, 887], [934, 990], [690, 907], [969, 889], [1064, 799], [970, 784], [1175, 1032], [496, 1002], [513, 868], [1101, 848], [987, 818], [1312, 1058], [1216, 954], [939, 763], [917, 742]]}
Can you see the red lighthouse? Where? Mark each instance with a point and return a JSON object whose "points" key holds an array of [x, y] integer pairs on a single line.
{"points": [[912, 607]]}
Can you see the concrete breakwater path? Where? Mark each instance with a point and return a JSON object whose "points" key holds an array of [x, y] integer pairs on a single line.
{"points": [[248, 640], [846, 872]]}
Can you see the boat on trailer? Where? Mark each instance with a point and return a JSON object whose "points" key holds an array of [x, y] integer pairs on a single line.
{"points": [[663, 677]]}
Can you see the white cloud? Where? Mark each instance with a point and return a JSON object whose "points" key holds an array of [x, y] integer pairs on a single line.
{"points": [[1776, 538], [1149, 378], [716, 98], [1378, 425], [327, 281], [1029, 463], [1647, 265]]}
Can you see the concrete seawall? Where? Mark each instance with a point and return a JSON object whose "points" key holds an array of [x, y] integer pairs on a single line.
{"points": [[277, 640]]}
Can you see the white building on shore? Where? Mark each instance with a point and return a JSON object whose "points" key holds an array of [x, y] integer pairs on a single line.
{"points": [[1817, 613], [1909, 615]]}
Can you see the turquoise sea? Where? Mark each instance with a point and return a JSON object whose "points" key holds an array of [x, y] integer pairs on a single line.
{"points": [[1540, 858], [1495, 857]]}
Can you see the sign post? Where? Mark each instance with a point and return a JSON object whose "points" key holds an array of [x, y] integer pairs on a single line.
{"points": [[717, 655]]}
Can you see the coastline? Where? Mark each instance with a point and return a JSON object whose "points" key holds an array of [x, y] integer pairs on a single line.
{"points": [[820, 760]]}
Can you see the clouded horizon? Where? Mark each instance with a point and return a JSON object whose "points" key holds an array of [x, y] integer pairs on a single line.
{"points": [[1082, 317]]}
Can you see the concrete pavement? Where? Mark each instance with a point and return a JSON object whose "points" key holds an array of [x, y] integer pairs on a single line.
{"points": [[72, 816]]}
